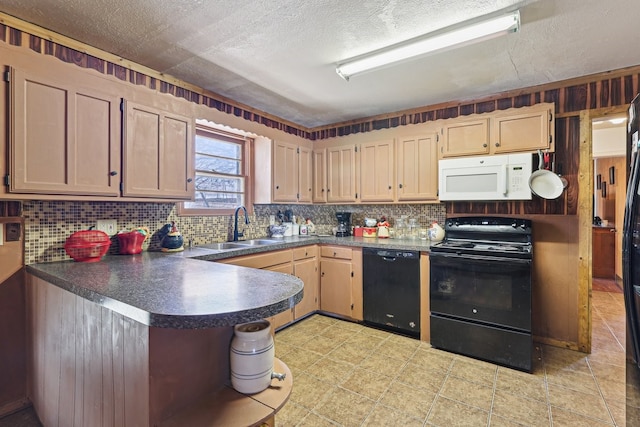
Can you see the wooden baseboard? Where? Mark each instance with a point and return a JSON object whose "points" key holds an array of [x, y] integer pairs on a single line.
{"points": [[15, 406]]}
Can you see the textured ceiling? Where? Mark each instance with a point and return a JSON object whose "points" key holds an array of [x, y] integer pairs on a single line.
{"points": [[279, 56]]}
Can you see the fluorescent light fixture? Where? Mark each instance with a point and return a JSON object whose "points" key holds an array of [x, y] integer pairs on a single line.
{"points": [[456, 36]]}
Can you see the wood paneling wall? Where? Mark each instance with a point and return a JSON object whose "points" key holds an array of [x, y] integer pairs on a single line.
{"points": [[90, 366]]}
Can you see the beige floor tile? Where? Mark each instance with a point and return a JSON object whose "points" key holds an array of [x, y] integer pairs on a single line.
{"points": [[349, 326], [330, 370], [611, 357], [562, 357], [386, 416], [382, 364], [309, 390], [607, 371], [290, 414], [472, 394], [497, 421], [618, 412], [612, 390], [336, 333], [376, 332], [311, 326], [350, 352], [419, 377], [578, 381], [315, 420], [399, 348], [590, 405], [299, 358], [281, 347], [321, 344], [447, 412], [367, 383], [474, 370], [521, 384], [345, 407], [413, 401], [432, 359], [365, 340], [563, 418], [520, 409]]}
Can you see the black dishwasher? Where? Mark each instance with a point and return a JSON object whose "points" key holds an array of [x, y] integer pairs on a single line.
{"points": [[391, 290]]}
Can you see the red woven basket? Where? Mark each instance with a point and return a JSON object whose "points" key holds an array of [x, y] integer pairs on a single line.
{"points": [[87, 245]]}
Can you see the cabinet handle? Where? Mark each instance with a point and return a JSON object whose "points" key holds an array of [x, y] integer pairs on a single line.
{"points": [[189, 179], [113, 173], [323, 190], [389, 187], [277, 187], [328, 189], [322, 274], [399, 185], [334, 254], [484, 145], [497, 144]]}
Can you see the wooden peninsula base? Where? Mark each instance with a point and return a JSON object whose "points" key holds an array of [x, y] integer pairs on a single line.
{"points": [[93, 366]]}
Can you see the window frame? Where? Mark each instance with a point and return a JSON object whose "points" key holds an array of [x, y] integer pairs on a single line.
{"points": [[247, 144]]}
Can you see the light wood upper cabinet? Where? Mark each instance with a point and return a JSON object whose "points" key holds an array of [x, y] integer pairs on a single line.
{"points": [[285, 172], [463, 138], [341, 174], [305, 175], [65, 138], [319, 180], [524, 129], [528, 131], [417, 163], [377, 171], [158, 153]]}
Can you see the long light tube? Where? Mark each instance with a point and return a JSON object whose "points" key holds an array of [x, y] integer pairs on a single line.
{"points": [[429, 43]]}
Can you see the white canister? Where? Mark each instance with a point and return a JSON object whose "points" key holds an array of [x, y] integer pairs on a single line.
{"points": [[251, 356], [296, 229], [289, 230]]}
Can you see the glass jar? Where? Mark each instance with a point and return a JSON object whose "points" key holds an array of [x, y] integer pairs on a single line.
{"points": [[400, 228], [413, 229]]}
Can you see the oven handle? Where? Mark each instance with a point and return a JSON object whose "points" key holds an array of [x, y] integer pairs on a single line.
{"points": [[461, 256]]}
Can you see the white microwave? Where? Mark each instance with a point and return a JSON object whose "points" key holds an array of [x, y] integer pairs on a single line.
{"points": [[502, 177]]}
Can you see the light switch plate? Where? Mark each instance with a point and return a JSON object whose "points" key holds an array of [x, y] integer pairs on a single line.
{"points": [[109, 226]]}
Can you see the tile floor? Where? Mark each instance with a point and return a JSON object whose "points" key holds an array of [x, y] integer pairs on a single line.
{"points": [[346, 374]]}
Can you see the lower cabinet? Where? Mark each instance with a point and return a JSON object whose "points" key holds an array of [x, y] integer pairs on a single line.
{"points": [[305, 268], [301, 262], [341, 281]]}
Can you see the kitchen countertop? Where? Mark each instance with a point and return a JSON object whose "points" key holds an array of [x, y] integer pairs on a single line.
{"points": [[179, 290], [162, 290]]}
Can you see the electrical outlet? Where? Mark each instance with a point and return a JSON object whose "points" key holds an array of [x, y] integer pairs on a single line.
{"points": [[109, 226]]}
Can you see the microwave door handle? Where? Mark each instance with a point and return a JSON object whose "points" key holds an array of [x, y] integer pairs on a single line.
{"points": [[503, 186]]}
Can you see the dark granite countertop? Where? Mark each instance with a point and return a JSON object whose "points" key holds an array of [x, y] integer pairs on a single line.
{"points": [[181, 291], [163, 290]]}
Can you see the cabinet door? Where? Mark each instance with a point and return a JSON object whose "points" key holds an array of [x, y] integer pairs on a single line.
{"points": [[335, 286], [320, 176], [65, 138], [158, 153], [285, 172], [377, 171], [417, 168], [604, 249], [286, 316], [305, 175], [526, 131], [462, 138], [307, 271], [341, 174]]}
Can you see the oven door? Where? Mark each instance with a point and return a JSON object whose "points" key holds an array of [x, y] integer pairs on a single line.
{"points": [[492, 290]]}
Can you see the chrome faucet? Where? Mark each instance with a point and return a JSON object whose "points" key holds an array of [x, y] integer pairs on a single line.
{"points": [[237, 234]]}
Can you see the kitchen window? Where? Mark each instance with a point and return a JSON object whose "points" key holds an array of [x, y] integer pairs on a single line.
{"points": [[222, 180]]}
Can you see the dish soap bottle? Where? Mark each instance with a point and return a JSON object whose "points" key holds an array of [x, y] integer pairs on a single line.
{"points": [[436, 233]]}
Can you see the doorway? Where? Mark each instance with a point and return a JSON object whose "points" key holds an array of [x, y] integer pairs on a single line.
{"points": [[609, 193]]}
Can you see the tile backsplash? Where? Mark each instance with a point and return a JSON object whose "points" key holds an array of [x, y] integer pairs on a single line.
{"points": [[49, 223]]}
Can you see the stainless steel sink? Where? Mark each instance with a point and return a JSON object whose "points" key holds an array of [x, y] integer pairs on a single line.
{"points": [[223, 246], [257, 242]]}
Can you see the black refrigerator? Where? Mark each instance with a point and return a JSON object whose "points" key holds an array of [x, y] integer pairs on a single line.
{"points": [[631, 265]]}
